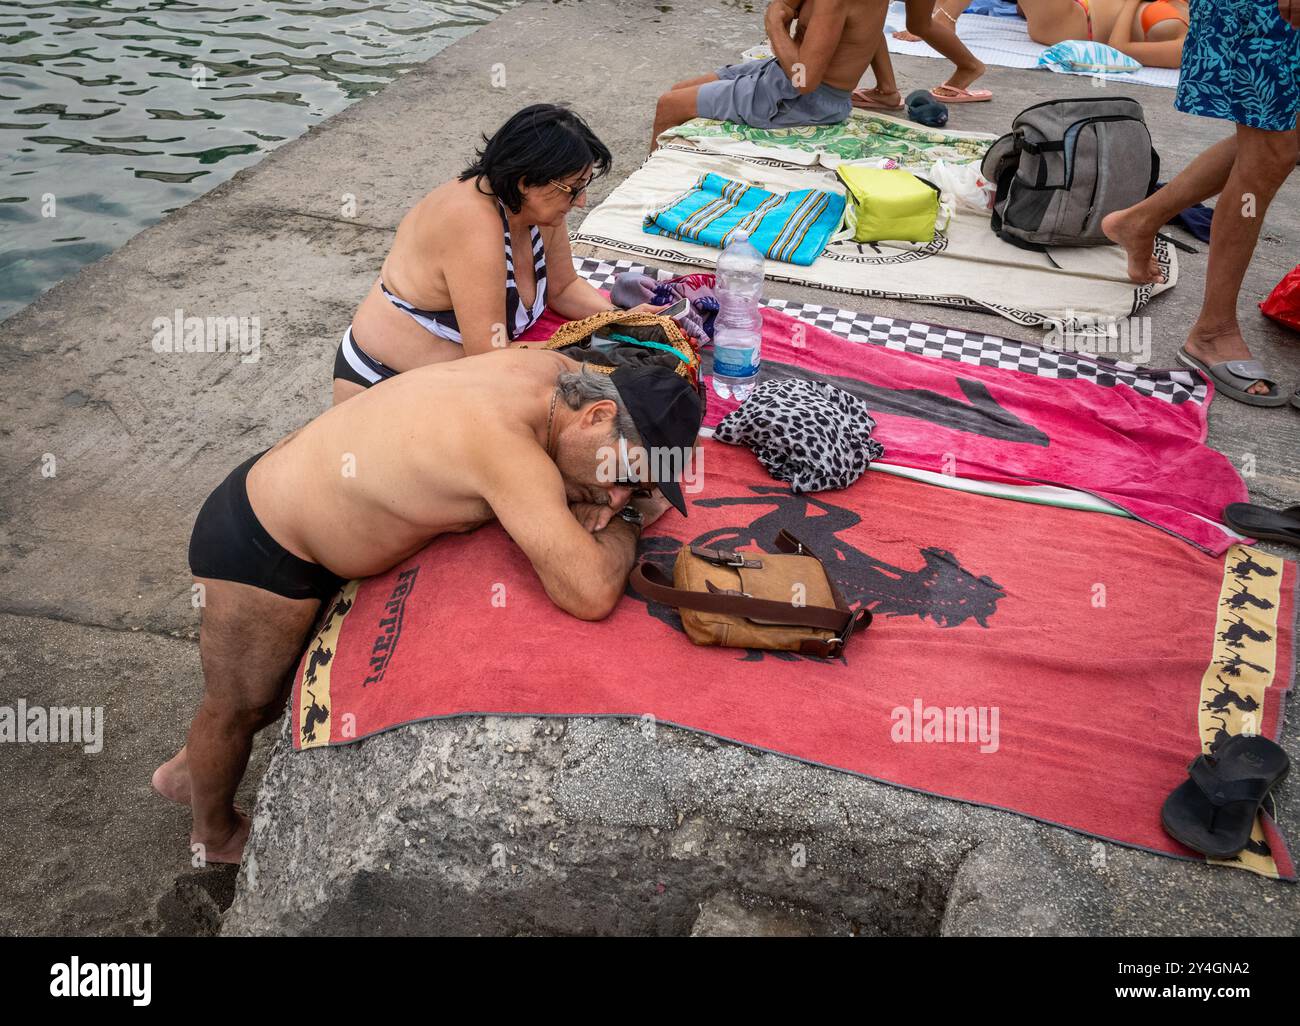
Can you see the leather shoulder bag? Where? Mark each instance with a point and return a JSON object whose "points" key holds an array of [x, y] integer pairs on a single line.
{"points": [[784, 601]]}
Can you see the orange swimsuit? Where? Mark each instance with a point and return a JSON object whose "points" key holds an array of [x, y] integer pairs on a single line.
{"points": [[1160, 10], [1087, 16], [1152, 14]]}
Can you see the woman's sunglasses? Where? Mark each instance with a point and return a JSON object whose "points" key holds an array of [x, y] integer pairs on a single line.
{"points": [[573, 193]]}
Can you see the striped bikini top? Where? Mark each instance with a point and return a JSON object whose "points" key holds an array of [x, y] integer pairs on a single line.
{"points": [[519, 318]]}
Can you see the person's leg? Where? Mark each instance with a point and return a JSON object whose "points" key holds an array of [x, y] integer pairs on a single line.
{"points": [[1264, 160], [939, 31], [249, 642], [723, 96], [698, 80], [674, 108], [1135, 227], [884, 95]]}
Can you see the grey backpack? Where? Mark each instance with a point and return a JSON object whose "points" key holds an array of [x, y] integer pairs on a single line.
{"points": [[1064, 166]]}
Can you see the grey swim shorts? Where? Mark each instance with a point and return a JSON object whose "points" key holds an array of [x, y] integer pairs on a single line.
{"points": [[759, 93]]}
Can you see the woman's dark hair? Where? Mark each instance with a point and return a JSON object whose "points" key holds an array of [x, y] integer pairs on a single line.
{"points": [[542, 143]]}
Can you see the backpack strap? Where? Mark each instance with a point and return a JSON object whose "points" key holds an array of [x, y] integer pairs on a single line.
{"points": [[1054, 146]]}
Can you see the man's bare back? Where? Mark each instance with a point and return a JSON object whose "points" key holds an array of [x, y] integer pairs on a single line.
{"points": [[371, 481], [859, 36]]}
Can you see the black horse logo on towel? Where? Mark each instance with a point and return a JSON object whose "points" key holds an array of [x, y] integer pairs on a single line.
{"points": [[1241, 597], [940, 589], [1246, 566], [317, 714], [1237, 631]]}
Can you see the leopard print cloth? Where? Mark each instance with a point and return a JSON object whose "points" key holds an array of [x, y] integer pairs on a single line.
{"points": [[817, 437]]}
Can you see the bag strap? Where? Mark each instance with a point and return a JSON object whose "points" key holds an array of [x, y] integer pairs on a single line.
{"points": [[654, 584], [1052, 146], [788, 543], [651, 582], [1002, 186]]}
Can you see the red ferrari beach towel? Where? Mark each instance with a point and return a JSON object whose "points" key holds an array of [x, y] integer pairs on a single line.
{"points": [[1062, 664]]}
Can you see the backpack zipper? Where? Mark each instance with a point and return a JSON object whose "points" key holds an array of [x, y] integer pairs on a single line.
{"points": [[1090, 121]]}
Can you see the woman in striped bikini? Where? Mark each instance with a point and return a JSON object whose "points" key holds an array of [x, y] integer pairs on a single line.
{"points": [[1152, 33], [477, 261]]}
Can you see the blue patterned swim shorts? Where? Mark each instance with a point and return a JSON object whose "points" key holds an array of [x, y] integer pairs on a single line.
{"points": [[1241, 62]]}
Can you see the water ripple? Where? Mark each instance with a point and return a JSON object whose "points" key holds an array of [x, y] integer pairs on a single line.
{"points": [[115, 112]]}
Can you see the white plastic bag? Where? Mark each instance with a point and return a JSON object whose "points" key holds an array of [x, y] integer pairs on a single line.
{"points": [[962, 186]]}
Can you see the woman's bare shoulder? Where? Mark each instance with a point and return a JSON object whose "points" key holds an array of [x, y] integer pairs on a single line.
{"points": [[453, 215], [456, 205]]}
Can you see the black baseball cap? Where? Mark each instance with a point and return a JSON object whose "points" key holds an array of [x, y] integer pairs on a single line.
{"points": [[667, 412]]}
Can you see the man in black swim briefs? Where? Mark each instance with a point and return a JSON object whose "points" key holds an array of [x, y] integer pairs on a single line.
{"points": [[520, 436]]}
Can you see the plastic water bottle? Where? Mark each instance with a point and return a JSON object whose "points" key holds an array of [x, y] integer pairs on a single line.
{"points": [[738, 330]]}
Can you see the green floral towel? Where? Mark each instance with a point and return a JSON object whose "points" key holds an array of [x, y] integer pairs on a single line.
{"points": [[862, 136]]}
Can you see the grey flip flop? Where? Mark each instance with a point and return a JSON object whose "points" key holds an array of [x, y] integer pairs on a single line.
{"points": [[1233, 377]]}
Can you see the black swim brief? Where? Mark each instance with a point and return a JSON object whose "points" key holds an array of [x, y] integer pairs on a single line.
{"points": [[229, 543]]}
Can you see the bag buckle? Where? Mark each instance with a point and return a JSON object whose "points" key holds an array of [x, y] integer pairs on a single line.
{"points": [[727, 557], [837, 643], [715, 590]]}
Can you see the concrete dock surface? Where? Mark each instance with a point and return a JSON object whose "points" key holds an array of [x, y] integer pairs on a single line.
{"points": [[95, 601]]}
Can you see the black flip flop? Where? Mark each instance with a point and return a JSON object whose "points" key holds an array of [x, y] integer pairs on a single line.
{"points": [[1261, 522], [1214, 811], [924, 109]]}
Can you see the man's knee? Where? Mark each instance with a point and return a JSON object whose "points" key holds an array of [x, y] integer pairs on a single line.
{"points": [[242, 714], [674, 108], [1268, 156]]}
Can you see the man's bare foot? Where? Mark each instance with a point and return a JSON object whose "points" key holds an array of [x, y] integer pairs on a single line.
{"points": [[878, 99], [1211, 347], [1139, 243], [965, 74], [229, 849], [172, 778], [906, 37]]}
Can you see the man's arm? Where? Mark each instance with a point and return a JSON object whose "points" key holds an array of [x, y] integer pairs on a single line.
{"points": [[805, 61], [583, 573]]}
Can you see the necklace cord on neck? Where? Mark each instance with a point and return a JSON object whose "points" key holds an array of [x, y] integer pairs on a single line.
{"points": [[550, 419]]}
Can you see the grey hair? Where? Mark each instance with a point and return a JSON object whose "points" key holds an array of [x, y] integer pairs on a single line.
{"points": [[587, 386]]}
